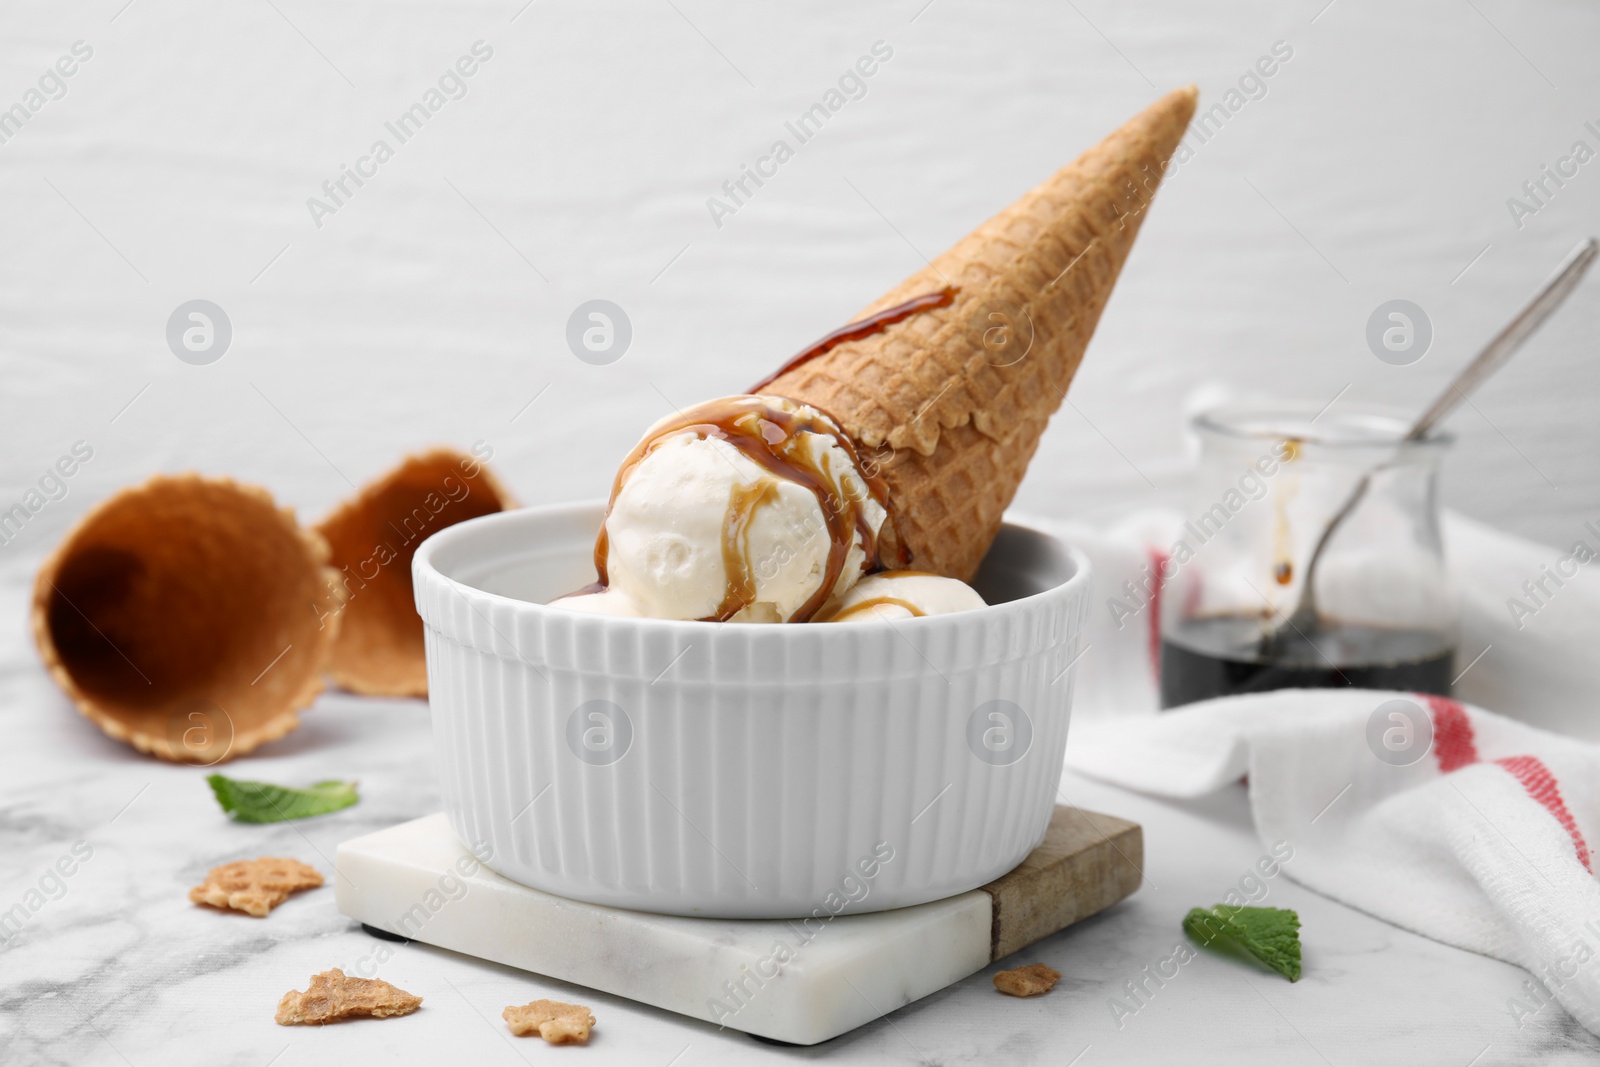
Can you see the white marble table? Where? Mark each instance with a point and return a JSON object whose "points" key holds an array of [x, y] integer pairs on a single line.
{"points": [[121, 969], [179, 166]]}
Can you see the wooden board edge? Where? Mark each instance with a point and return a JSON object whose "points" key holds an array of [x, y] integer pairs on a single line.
{"points": [[1087, 862]]}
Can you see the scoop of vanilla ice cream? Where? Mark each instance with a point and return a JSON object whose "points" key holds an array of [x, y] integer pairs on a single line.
{"points": [[670, 541], [605, 602], [901, 595]]}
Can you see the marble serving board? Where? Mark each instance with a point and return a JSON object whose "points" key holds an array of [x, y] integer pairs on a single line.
{"points": [[788, 980]]}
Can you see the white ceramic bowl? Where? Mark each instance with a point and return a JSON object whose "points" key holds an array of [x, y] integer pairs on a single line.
{"points": [[741, 770]]}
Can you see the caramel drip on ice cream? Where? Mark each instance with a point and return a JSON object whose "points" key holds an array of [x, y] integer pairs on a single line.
{"points": [[773, 439], [868, 605], [877, 601], [743, 503]]}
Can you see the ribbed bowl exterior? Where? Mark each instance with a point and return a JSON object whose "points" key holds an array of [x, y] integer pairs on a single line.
{"points": [[739, 770]]}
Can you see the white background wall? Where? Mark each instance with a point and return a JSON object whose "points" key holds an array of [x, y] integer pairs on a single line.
{"points": [[432, 306]]}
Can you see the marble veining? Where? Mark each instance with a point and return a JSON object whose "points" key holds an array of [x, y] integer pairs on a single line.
{"points": [[119, 966]]}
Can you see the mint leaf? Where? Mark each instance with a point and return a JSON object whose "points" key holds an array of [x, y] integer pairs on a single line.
{"points": [[263, 802], [1271, 935]]}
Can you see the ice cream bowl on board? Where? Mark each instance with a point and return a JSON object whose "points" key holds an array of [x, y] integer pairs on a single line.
{"points": [[740, 769], [799, 663]]}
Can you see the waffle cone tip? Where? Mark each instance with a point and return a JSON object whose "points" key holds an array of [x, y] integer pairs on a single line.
{"points": [[952, 402]]}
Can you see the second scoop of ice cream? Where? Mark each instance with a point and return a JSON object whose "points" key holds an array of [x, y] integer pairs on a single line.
{"points": [[748, 509], [901, 595]]}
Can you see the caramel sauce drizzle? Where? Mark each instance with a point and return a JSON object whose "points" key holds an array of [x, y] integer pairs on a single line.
{"points": [[866, 327], [772, 440], [744, 502], [868, 605], [771, 445]]}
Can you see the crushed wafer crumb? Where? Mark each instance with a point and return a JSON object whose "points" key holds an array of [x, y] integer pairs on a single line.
{"points": [[557, 1023], [254, 887], [333, 996], [1027, 981]]}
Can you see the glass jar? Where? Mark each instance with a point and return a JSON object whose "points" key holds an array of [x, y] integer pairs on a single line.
{"points": [[1268, 484]]}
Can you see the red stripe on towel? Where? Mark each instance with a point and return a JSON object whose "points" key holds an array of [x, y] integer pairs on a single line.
{"points": [[1541, 786], [1455, 748], [1452, 734]]}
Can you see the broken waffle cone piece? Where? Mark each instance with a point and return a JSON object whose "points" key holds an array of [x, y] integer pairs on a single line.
{"points": [[557, 1023], [187, 617], [372, 537], [1029, 981], [334, 996], [952, 400], [255, 887]]}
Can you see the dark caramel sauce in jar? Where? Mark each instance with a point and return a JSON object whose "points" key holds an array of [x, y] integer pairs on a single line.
{"points": [[1219, 655]]}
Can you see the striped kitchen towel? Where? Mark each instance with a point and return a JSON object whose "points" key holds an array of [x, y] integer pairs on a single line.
{"points": [[1466, 826]]}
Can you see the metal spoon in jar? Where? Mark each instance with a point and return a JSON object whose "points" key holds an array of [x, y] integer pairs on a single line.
{"points": [[1305, 619]]}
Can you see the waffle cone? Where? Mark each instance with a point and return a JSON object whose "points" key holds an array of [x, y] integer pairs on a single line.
{"points": [[378, 648], [188, 616], [952, 401]]}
